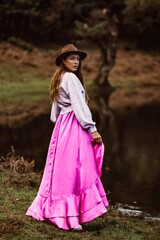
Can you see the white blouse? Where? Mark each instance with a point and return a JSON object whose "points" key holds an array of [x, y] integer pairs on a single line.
{"points": [[72, 98]]}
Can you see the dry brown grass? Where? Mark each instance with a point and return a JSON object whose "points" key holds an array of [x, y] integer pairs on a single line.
{"points": [[136, 67], [40, 59], [21, 170], [16, 163], [11, 224]]}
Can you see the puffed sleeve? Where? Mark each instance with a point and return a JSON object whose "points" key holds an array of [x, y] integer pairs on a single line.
{"points": [[80, 108], [55, 111]]}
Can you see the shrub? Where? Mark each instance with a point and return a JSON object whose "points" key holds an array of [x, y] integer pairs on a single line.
{"points": [[20, 43], [142, 22]]}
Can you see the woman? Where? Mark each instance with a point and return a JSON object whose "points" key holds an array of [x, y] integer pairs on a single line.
{"points": [[71, 191]]}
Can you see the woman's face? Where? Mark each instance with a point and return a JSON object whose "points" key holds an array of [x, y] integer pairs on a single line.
{"points": [[72, 62]]}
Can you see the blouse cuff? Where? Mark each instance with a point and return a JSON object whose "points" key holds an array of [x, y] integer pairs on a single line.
{"points": [[92, 129]]}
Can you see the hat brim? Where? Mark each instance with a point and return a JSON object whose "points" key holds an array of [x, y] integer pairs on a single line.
{"points": [[58, 60]]}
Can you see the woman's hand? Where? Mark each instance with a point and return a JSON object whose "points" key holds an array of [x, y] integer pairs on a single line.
{"points": [[96, 137]]}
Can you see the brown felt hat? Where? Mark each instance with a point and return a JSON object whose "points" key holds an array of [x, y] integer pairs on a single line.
{"points": [[67, 50]]}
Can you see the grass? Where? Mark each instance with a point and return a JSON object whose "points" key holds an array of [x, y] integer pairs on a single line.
{"points": [[16, 195], [22, 86]]}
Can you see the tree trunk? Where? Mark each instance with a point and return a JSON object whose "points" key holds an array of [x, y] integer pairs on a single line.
{"points": [[108, 49], [103, 70]]}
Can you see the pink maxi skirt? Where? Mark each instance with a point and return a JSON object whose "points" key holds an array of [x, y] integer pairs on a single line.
{"points": [[71, 191]]}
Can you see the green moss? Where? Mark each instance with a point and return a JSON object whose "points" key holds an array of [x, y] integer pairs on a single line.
{"points": [[27, 87]]}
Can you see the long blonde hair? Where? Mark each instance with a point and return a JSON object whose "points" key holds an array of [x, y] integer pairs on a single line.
{"points": [[56, 80]]}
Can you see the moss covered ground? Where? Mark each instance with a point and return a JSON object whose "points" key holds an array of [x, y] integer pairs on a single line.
{"points": [[19, 185]]}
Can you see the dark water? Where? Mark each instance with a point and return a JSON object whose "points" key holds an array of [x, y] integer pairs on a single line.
{"points": [[30, 140], [132, 159], [131, 169]]}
